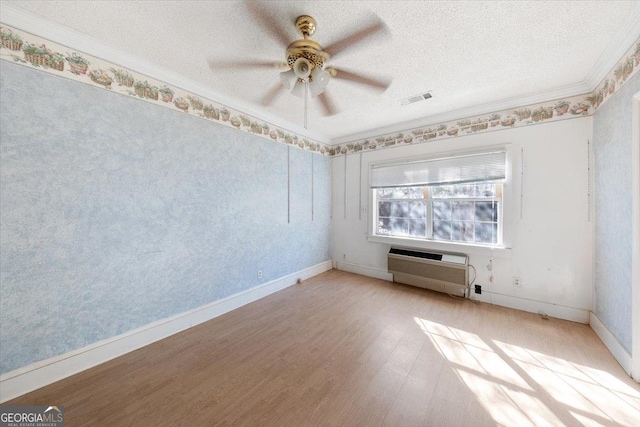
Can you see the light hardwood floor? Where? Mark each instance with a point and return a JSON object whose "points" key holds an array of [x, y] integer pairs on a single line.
{"points": [[346, 350]]}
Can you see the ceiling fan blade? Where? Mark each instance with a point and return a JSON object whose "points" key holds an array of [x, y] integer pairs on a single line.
{"points": [[335, 48], [271, 95], [327, 104], [221, 65], [269, 25], [377, 83]]}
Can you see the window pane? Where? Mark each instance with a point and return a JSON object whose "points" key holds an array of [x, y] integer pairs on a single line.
{"points": [[442, 230], [384, 226], [418, 227], [384, 209], [462, 211], [463, 190], [477, 189], [399, 227], [384, 193], [486, 232], [462, 231], [389, 193], [441, 210], [400, 193], [485, 189], [487, 211], [441, 191], [453, 190], [415, 192], [417, 210], [400, 209]]}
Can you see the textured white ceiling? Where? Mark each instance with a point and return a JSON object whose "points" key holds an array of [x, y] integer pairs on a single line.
{"points": [[467, 53]]}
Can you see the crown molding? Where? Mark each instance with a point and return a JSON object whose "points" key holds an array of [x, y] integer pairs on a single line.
{"points": [[621, 41], [28, 22]]}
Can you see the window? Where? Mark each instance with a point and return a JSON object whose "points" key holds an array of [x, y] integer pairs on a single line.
{"points": [[455, 199], [455, 212]]}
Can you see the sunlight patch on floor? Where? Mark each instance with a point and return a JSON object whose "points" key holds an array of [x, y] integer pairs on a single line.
{"points": [[506, 405], [519, 386], [591, 390]]}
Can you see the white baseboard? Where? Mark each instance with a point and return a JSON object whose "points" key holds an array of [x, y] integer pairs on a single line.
{"points": [[40, 374], [364, 270], [621, 355], [532, 306], [553, 310]]}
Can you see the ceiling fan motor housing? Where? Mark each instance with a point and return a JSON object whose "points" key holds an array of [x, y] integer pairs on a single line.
{"points": [[309, 50]]}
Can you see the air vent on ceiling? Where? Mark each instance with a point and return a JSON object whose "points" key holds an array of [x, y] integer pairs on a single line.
{"points": [[416, 98]]}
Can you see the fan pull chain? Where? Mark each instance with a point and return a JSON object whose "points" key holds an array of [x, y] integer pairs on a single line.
{"points": [[306, 92]]}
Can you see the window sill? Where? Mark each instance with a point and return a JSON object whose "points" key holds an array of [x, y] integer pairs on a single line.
{"points": [[491, 251]]}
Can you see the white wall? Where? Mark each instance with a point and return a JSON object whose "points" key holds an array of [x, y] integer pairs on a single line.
{"points": [[551, 244]]}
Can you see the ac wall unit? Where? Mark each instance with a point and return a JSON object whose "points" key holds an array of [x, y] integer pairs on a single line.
{"points": [[442, 272]]}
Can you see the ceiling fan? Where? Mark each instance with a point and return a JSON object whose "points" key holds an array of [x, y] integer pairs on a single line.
{"points": [[305, 70]]}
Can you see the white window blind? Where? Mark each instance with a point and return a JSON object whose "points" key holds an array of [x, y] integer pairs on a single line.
{"points": [[449, 170]]}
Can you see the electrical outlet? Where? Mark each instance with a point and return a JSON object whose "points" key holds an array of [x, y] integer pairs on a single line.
{"points": [[478, 289], [259, 274], [516, 282]]}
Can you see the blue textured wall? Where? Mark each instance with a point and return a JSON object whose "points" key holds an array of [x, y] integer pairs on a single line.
{"points": [[612, 157], [116, 213]]}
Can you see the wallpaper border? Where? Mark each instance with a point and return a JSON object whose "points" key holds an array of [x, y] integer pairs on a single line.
{"points": [[33, 51], [29, 50]]}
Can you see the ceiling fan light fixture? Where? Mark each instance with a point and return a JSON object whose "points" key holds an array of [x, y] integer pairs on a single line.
{"points": [[319, 81], [289, 79], [302, 68], [299, 89]]}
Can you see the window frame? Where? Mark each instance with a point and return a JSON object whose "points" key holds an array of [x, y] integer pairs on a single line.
{"points": [[429, 219], [500, 221], [507, 209]]}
